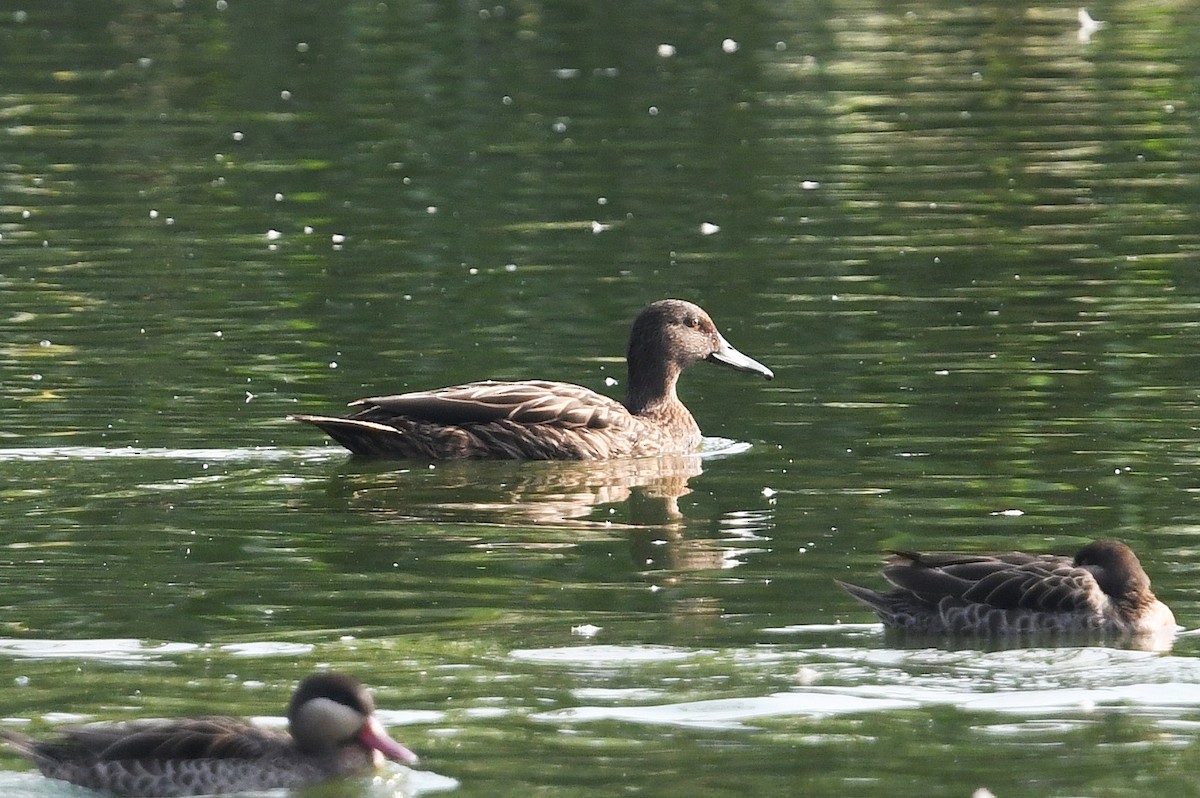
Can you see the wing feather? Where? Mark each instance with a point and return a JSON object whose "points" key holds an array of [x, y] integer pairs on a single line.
{"points": [[528, 402]]}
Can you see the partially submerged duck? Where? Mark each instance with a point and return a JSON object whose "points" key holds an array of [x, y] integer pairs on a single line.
{"points": [[1101, 590], [539, 420], [333, 734]]}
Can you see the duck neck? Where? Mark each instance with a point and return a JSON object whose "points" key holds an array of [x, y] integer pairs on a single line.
{"points": [[650, 388]]}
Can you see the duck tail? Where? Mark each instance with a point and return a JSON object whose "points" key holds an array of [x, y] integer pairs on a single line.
{"points": [[872, 598], [360, 437], [21, 743]]}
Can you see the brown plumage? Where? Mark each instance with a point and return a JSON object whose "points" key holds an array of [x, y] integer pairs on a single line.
{"points": [[540, 420], [1102, 589], [333, 734]]}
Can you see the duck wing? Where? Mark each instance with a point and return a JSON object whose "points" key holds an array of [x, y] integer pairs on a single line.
{"points": [[1009, 581], [527, 402], [197, 738]]}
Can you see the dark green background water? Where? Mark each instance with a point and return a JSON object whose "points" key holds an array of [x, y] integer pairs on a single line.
{"points": [[967, 242]]}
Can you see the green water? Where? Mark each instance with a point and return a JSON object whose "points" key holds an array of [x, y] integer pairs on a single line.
{"points": [[966, 242]]}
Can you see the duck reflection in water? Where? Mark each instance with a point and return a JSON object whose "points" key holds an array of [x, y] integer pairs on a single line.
{"points": [[540, 420], [1100, 592], [567, 494], [585, 501]]}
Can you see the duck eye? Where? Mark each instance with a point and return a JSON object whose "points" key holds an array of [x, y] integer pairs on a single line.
{"points": [[692, 322]]}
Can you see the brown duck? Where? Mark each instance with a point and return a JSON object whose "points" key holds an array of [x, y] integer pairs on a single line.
{"points": [[1102, 589], [333, 734], [539, 420]]}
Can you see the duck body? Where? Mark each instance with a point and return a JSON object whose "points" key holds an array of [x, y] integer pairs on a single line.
{"points": [[545, 420], [329, 738], [1101, 590]]}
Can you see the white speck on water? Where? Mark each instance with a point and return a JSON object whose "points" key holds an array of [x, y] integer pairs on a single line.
{"points": [[278, 197], [26, 214], [810, 185], [601, 200], [653, 111], [219, 334], [219, 158], [806, 675], [1087, 25], [431, 209], [506, 100], [274, 235], [222, 5], [976, 76], [983, 792], [1169, 108], [780, 46], [153, 214], [36, 378], [942, 372], [238, 135], [729, 46], [666, 50], [560, 126], [285, 95], [45, 342], [599, 227], [769, 492], [566, 73], [302, 47], [170, 220], [21, 681], [708, 229], [249, 397], [510, 267], [610, 381], [338, 238], [472, 271], [20, 16], [333, 364], [144, 62], [585, 630], [308, 229], [1010, 513]]}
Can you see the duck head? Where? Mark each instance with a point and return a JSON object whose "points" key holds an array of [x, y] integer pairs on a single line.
{"points": [[332, 710]]}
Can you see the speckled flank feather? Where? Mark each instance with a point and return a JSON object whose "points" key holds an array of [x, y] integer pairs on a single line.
{"points": [[1103, 589], [543, 420], [207, 756], [332, 735]]}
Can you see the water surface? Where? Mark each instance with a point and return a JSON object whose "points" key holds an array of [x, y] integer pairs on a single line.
{"points": [[964, 239]]}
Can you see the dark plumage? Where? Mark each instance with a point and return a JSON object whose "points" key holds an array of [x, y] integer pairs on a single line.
{"points": [[539, 420], [1103, 590], [333, 733]]}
